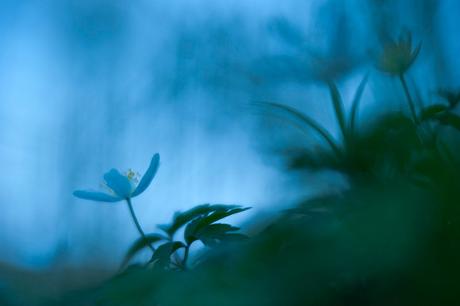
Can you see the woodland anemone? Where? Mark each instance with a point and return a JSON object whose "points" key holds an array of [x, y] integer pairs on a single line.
{"points": [[398, 56], [122, 186]]}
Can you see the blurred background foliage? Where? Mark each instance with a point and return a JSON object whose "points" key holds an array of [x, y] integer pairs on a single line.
{"points": [[336, 121]]}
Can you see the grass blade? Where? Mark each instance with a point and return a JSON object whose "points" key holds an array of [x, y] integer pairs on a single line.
{"points": [[338, 108], [355, 103], [307, 121]]}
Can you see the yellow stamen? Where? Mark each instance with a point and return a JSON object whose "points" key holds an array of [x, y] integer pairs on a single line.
{"points": [[132, 176]]}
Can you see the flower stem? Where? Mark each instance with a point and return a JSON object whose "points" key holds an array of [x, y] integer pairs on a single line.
{"points": [[409, 98], [136, 222]]}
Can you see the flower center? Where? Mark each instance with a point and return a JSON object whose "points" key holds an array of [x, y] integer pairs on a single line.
{"points": [[132, 176]]}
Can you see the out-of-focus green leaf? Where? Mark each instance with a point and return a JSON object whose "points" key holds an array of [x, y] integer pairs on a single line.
{"points": [[452, 120], [355, 103], [384, 149], [432, 111], [451, 96], [132, 287], [311, 158], [309, 122], [140, 244]]}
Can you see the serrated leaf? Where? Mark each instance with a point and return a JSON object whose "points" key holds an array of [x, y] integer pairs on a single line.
{"points": [[218, 228], [432, 111], [234, 237], [140, 244], [190, 231], [182, 218], [218, 215], [193, 228], [214, 234], [227, 238], [163, 252]]}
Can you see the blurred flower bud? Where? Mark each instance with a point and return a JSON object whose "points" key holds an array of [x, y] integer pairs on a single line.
{"points": [[398, 56]]}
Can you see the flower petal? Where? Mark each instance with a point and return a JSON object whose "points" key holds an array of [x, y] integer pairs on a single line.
{"points": [[148, 176], [119, 183], [95, 196]]}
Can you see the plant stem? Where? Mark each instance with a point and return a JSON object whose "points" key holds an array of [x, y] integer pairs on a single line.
{"points": [[136, 222], [409, 98]]}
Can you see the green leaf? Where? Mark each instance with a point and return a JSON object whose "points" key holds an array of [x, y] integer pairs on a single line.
{"points": [[220, 214], [451, 96], [355, 103], [225, 238], [218, 228], [214, 234], [452, 120], [338, 108], [163, 252], [309, 122], [140, 244], [237, 237], [432, 111], [182, 218], [193, 228]]}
